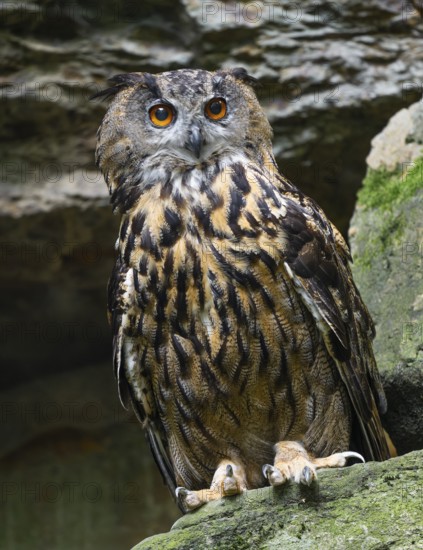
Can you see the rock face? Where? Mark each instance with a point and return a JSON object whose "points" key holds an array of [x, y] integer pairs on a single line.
{"points": [[56, 254], [399, 143], [375, 505], [386, 236]]}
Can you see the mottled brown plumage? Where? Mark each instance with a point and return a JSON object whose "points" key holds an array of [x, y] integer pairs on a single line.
{"points": [[236, 321]]}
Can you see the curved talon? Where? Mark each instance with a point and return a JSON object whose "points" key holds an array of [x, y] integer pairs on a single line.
{"points": [[273, 474], [230, 485], [229, 479], [266, 468], [307, 476], [352, 454], [189, 499], [337, 460], [180, 491]]}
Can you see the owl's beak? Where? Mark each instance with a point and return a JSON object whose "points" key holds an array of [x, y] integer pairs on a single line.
{"points": [[194, 141]]}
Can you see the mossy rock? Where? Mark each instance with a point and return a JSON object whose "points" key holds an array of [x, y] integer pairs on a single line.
{"points": [[387, 244], [368, 506]]}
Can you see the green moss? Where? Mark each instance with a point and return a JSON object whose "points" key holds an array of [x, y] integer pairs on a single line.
{"points": [[385, 237], [382, 189], [384, 192], [374, 505]]}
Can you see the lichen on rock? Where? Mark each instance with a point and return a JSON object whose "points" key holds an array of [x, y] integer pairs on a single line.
{"points": [[386, 237], [374, 505]]}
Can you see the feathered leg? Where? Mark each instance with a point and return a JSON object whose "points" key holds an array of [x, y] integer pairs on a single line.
{"points": [[229, 479], [293, 463]]}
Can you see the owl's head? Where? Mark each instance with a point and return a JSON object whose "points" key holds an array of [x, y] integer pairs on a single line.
{"points": [[177, 121]]}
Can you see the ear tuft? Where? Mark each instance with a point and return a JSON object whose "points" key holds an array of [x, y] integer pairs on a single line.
{"points": [[241, 74], [120, 82]]}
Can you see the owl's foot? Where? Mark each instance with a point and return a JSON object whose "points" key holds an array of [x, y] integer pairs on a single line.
{"points": [[229, 479], [294, 463]]}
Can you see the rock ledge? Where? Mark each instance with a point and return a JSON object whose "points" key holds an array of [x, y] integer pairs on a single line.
{"points": [[368, 506]]}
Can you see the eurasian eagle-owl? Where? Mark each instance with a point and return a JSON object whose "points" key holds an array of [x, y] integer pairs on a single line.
{"points": [[239, 335]]}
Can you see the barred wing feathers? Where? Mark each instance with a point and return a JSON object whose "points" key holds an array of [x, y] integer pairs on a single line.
{"points": [[316, 258], [127, 353]]}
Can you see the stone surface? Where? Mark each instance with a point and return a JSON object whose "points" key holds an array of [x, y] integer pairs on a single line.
{"points": [[386, 236], [396, 145], [369, 506], [56, 253]]}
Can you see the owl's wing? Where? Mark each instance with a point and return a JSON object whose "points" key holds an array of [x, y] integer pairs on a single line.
{"points": [[128, 360], [317, 258]]}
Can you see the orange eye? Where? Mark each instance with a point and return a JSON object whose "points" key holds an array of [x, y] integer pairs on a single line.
{"points": [[161, 115], [216, 108]]}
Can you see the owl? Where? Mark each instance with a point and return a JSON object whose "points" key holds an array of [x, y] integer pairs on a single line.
{"points": [[239, 336]]}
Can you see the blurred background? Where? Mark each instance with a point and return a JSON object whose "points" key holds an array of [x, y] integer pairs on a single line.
{"points": [[75, 470]]}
